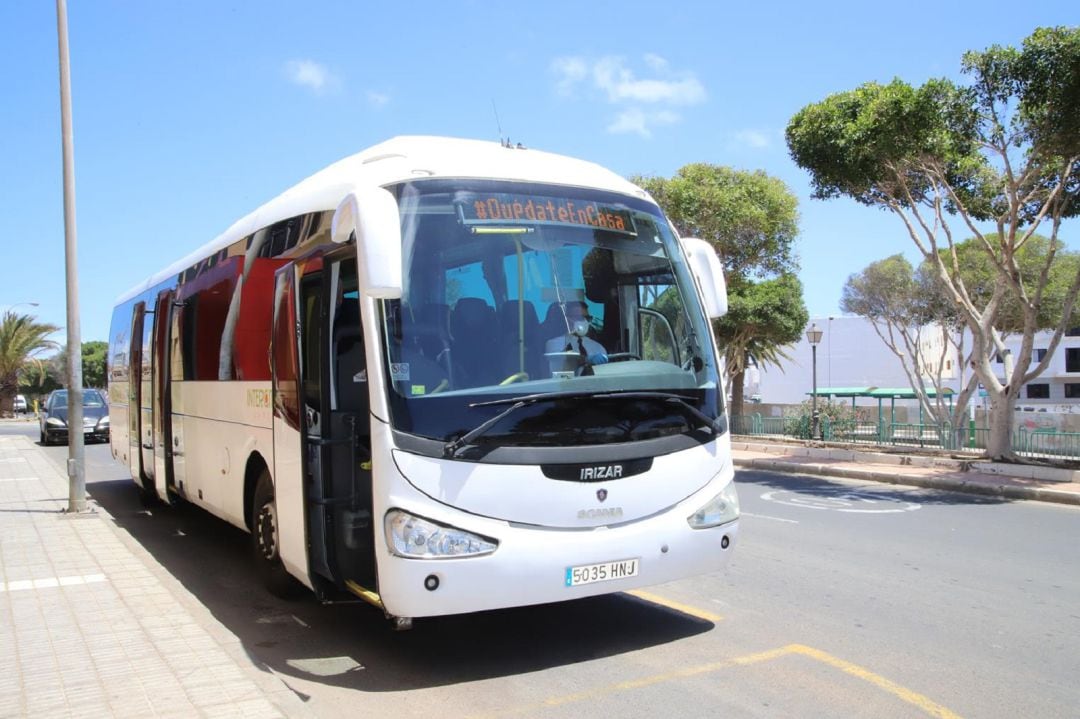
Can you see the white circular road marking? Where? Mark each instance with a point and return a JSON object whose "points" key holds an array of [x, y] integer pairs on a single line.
{"points": [[842, 500]]}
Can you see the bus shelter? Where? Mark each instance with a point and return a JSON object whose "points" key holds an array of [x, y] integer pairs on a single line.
{"points": [[881, 394]]}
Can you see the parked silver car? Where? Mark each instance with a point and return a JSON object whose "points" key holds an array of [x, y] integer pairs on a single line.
{"points": [[54, 417]]}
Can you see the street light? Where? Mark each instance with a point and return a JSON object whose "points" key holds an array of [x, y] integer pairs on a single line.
{"points": [[813, 336]]}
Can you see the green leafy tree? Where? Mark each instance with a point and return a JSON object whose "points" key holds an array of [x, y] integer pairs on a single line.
{"points": [[1001, 151], [94, 356], [94, 359], [763, 318], [751, 220], [21, 339]]}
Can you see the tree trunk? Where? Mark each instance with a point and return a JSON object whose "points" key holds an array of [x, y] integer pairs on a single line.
{"points": [[999, 439], [736, 408]]}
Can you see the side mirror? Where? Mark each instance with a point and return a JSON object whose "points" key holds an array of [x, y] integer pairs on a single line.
{"points": [[709, 273], [371, 213]]}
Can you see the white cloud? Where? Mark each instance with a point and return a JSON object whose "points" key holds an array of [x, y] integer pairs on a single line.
{"points": [[641, 103], [639, 121], [656, 63], [611, 75], [757, 139], [310, 74], [377, 100], [570, 71]]}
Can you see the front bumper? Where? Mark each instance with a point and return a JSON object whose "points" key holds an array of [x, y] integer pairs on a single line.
{"points": [[60, 434], [530, 566]]}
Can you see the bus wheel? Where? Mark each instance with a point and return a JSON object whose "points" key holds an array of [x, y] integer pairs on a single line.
{"points": [[265, 540]]}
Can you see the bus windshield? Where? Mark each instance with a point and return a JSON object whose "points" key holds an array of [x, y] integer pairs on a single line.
{"points": [[517, 289]]}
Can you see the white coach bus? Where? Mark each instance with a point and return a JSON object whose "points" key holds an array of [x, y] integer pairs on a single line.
{"points": [[441, 375]]}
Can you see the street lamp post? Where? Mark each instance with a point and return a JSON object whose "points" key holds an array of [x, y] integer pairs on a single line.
{"points": [[813, 336], [76, 464]]}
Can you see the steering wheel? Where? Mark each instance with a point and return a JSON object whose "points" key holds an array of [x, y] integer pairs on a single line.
{"points": [[516, 377], [622, 357]]}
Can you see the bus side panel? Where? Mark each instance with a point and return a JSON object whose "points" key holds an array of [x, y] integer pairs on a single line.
{"points": [[222, 424]]}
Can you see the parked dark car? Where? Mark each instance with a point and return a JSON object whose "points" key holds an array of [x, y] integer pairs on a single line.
{"points": [[54, 417]]}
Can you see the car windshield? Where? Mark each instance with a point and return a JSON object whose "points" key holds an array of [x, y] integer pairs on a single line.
{"points": [[91, 398], [513, 289]]}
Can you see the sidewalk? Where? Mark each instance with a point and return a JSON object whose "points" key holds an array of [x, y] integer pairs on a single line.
{"points": [[1044, 484], [92, 626]]}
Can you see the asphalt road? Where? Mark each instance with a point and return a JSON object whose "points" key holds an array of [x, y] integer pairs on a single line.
{"points": [[843, 599]]}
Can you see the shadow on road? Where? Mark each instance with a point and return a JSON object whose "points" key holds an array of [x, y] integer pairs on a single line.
{"points": [[352, 645]]}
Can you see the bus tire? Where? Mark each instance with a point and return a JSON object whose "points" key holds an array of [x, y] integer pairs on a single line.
{"points": [[265, 541]]}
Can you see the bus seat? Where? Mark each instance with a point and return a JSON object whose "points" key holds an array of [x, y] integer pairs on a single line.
{"points": [[474, 333], [426, 329]]}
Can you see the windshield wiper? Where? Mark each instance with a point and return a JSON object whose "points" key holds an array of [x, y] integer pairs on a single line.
{"points": [[451, 448], [716, 424]]}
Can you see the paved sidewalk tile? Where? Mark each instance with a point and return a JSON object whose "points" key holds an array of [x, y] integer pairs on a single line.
{"points": [[88, 628]]}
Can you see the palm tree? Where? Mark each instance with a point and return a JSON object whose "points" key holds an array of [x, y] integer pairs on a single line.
{"points": [[20, 339]]}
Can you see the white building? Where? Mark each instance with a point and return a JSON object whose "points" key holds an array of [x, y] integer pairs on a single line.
{"points": [[851, 354], [1058, 387]]}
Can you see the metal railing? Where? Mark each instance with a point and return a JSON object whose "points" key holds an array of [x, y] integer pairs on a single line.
{"points": [[1040, 443]]}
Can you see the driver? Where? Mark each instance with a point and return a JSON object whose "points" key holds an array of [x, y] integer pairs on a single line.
{"points": [[574, 339]]}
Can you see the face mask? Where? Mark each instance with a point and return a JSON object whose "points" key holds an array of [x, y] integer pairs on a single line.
{"points": [[579, 327]]}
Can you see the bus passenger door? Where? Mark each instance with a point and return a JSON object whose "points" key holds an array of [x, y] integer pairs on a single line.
{"points": [[136, 387], [289, 426], [320, 383], [161, 414], [146, 397]]}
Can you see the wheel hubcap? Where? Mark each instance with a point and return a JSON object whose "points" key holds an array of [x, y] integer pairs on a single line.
{"points": [[266, 532]]}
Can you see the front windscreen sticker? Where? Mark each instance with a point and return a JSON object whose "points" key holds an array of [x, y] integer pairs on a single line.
{"points": [[419, 389], [399, 371]]}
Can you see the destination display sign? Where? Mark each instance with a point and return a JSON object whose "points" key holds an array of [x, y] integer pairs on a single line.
{"points": [[503, 209]]}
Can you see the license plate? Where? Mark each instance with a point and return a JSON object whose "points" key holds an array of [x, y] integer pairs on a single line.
{"points": [[603, 572]]}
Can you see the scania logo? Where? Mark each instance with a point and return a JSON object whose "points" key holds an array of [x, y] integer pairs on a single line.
{"points": [[600, 513], [603, 471], [601, 494]]}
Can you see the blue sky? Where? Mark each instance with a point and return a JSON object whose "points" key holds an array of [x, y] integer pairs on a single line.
{"points": [[188, 115]]}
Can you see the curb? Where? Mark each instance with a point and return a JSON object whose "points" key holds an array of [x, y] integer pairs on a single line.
{"points": [[1039, 494]]}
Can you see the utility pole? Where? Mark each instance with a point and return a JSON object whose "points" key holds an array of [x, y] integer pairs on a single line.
{"points": [[76, 464]]}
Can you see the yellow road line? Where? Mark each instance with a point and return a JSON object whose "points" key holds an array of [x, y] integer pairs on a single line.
{"points": [[678, 607], [911, 697], [922, 702], [639, 683]]}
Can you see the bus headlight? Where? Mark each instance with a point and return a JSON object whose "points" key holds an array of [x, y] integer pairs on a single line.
{"points": [[721, 509], [417, 538]]}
